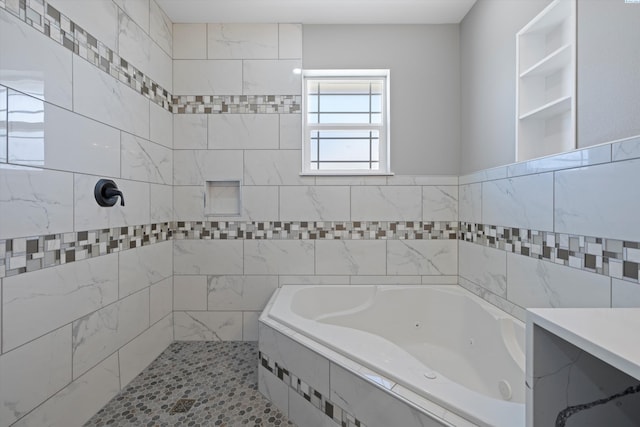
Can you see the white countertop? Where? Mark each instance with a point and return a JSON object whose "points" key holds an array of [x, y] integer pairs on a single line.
{"points": [[610, 334]]}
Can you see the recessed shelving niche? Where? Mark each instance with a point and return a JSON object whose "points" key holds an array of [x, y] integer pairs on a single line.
{"points": [[222, 198], [546, 82]]}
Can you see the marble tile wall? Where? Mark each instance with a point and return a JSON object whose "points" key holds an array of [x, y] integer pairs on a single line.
{"points": [[86, 291]]}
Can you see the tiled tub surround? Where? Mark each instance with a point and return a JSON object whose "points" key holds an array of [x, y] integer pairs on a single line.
{"points": [[304, 377]]}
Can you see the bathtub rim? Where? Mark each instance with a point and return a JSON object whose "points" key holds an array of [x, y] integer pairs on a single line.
{"points": [[395, 389]]}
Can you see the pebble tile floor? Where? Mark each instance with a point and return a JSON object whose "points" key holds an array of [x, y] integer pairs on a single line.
{"points": [[222, 378]]}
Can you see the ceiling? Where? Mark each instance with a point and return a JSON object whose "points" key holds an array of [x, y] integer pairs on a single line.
{"points": [[318, 11]]}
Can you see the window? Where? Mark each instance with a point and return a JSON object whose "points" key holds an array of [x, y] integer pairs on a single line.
{"points": [[345, 122]]}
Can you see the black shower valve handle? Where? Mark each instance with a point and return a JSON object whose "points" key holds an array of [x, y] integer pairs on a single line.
{"points": [[106, 193]]}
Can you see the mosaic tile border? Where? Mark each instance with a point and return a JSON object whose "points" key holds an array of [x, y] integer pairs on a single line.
{"points": [[314, 397], [39, 14], [317, 230], [237, 104], [27, 254], [618, 259]]}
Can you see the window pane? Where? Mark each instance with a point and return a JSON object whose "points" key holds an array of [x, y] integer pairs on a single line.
{"points": [[345, 103], [344, 118], [346, 166], [346, 147]]}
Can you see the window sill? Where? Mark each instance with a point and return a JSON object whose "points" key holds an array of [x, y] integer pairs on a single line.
{"points": [[345, 173]]}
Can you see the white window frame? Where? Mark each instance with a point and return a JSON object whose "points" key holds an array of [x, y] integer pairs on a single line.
{"points": [[383, 129]]}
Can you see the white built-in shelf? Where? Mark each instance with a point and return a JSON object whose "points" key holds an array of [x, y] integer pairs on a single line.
{"points": [[555, 61], [546, 82], [549, 110]]}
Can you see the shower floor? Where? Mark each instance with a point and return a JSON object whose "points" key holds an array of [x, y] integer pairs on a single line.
{"points": [[219, 380]]}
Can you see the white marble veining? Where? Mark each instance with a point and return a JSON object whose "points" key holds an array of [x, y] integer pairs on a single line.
{"points": [[434, 280], [290, 41], [290, 131], [189, 132], [160, 299], [315, 279], [573, 159], [242, 41], [188, 203], [350, 180], [422, 257], [440, 203], [243, 131], [144, 266], [190, 293], [431, 407], [470, 203], [44, 73], [99, 17], [101, 97], [142, 350], [101, 333], [371, 404], [207, 326], [274, 167], [490, 297], [260, 203], [626, 150], [26, 118], [88, 215], [43, 300], [273, 389], [279, 257], [536, 283], [160, 125], [240, 292], [207, 257], [386, 280], [138, 10], [80, 400], [201, 77], [302, 413], [33, 372], [250, 325], [160, 27], [306, 364], [34, 201], [189, 41], [194, 167], [144, 160], [271, 77], [137, 48], [624, 294], [484, 266], [161, 202], [92, 147], [351, 257], [398, 203], [314, 203], [596, 201], [525, 202]]}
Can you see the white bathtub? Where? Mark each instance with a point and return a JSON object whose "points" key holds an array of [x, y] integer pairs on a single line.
{"points": [[441, 342]]}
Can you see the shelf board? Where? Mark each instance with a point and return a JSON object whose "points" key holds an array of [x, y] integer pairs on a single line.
{"points": [[550, 17], [552, 62], [550, 109]]}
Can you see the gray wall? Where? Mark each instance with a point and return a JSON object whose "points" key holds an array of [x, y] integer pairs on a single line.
{"points": [[608, 71], [488, 86], [425, 85], [608, 106]]}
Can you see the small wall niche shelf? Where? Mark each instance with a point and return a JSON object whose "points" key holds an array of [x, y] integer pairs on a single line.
{"points": [[546, 82], [222, 198]]}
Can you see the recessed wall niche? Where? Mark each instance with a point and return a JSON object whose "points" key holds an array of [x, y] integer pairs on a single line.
{"points": [[222, 198]]}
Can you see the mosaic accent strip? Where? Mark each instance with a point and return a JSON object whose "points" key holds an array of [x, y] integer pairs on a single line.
{"points": [[302, 230], [614, 258], [320, 402], [24, 255], [218, 104], [49, 21]]}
